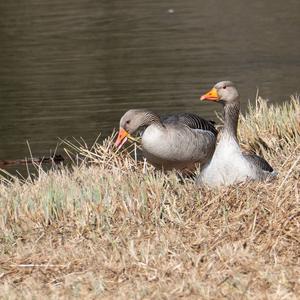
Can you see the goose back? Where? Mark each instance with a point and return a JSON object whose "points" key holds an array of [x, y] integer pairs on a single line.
{"points": [[191, 120]]}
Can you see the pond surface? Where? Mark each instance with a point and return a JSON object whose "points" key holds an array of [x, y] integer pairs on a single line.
{"points": [[72, 67]]}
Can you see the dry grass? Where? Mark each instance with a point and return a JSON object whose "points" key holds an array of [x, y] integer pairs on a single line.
{"points": [[114, 228]]}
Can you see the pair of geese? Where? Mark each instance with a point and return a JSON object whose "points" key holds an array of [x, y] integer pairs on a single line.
{"points": [[184, 140]]}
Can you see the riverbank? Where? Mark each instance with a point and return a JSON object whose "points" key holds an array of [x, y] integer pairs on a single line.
{"points": [[114, 228]]}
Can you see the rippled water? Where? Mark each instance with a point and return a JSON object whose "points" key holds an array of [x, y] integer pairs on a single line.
{"points": [[72, 68]]}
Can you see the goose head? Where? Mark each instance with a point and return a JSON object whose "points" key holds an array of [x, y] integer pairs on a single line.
{"points": [[224, 92], [131, 121]]}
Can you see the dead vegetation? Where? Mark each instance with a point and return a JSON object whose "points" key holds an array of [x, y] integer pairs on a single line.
{"points": [[113, 228]]}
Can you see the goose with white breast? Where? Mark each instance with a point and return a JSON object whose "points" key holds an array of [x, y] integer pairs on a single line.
{"points": [[229, 164]]}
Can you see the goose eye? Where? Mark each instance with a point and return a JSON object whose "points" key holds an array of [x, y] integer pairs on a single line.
{"points": [[127, 122], [224, 87]]}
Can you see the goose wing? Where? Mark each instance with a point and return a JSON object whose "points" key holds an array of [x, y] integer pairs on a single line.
{"points": [[191, 120], [258, 161], [182, 141]]}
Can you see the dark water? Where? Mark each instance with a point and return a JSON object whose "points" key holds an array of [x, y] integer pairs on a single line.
{"points": [[73, 67]]}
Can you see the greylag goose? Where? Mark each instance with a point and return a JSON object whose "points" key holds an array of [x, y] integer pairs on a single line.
{"points": [[177, 142], [229, 164]]}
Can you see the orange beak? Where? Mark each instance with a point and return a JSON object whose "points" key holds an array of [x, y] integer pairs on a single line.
{"points": [[122, 138], [212, 95]]}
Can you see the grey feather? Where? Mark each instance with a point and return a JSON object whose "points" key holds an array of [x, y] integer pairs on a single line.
{"points": [[191, 120], [259, 162]]}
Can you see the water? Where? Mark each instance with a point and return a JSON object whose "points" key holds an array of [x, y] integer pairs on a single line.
{"points": [[72, 68]]}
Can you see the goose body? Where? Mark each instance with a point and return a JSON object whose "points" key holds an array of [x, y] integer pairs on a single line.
{"points": [[229, 164], [177, 146], [176, 142]]}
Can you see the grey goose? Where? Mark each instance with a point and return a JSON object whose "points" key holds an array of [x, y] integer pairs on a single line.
{"points": [[178, 141]]}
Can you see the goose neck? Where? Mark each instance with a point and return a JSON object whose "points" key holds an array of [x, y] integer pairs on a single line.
{"points": [[231, 118], [151, 118]]}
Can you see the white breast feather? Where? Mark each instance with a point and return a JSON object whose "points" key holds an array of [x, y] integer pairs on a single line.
{"points": [[227, 166], [152, 137]]}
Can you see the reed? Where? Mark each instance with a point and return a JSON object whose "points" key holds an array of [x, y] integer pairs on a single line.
{"points": [[110, 226]]}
